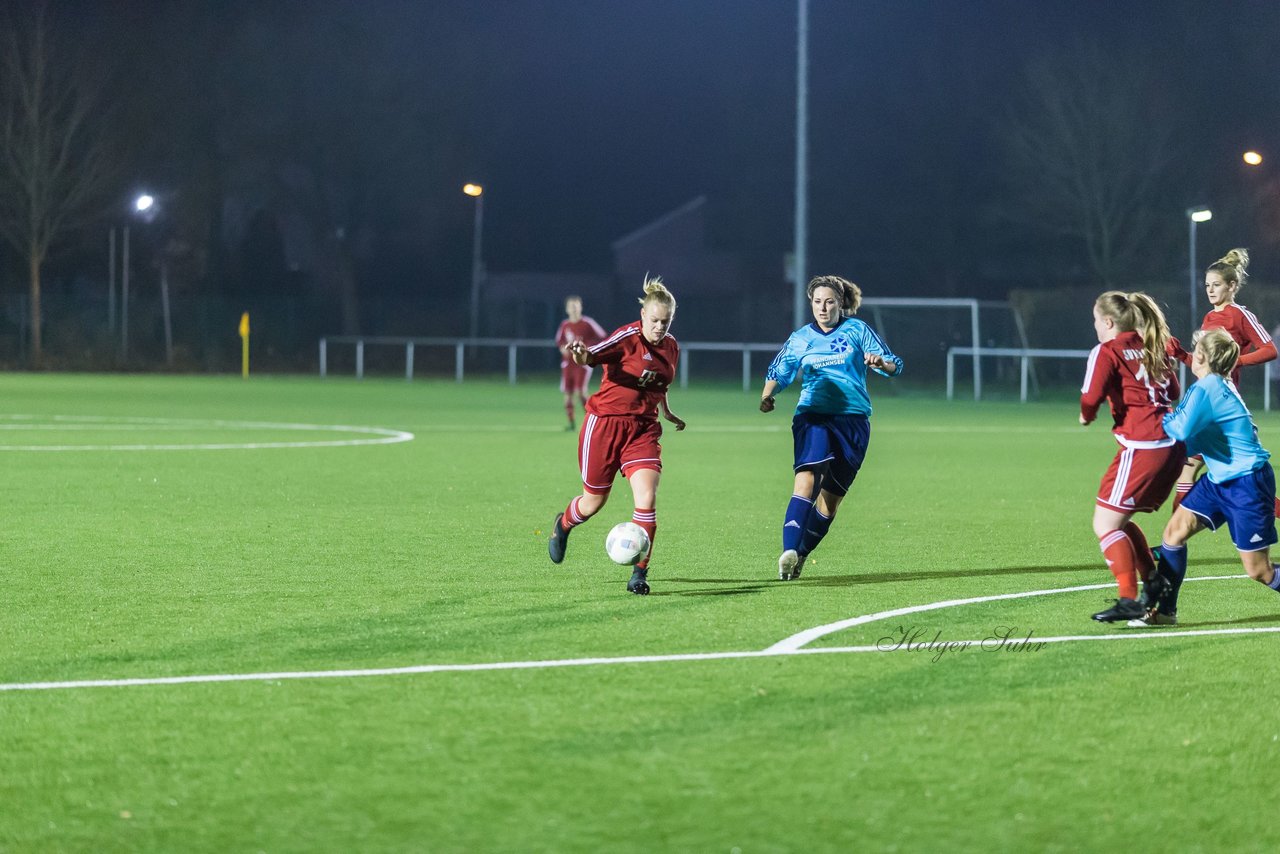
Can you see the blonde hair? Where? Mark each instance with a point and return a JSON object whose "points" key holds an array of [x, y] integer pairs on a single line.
{"points": [[1220, 350], [850, 294], [655, 291], [1137, 312], [1232, 267]]}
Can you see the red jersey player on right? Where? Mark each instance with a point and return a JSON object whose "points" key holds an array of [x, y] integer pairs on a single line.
{"points": [[1222, 282], [1129, 369], [574, 377], [621, 430]]}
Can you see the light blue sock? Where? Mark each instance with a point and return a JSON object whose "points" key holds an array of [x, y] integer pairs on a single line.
{"points": [[1275, 578]]}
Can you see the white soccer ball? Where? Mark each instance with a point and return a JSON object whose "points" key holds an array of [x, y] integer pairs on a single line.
{"points": [[627, 543]]}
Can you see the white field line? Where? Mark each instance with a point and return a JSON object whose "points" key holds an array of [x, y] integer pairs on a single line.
{"points": [[772, 652], [801, 639], [377, 435]]}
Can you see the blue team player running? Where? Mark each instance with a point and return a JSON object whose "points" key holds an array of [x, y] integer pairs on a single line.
{"points": [[832, 424], [1238, 489]]}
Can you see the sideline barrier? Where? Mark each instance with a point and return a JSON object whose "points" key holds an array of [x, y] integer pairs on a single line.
{"points": [[513, 345], [461, 346], [1026, 355]]}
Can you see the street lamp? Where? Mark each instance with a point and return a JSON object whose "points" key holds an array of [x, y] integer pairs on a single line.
{"points": [[1253, 158], [477, 266], [1195, 216], [143, 206]]}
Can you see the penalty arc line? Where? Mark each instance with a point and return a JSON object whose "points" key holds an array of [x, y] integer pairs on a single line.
{"points": [[775, 651], [801, 639]]}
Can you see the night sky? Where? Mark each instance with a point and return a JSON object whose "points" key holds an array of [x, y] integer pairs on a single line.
{"points": [[586, 119]]}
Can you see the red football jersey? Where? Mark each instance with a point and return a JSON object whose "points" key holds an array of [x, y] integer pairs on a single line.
{"points": [[1243, 327], [585, 330], [1116, 374], [637, 374]]}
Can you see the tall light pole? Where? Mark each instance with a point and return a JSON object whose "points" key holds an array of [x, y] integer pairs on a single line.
{"points": [[143, 206], [802, 159], [1195, 216], [477, 265]]}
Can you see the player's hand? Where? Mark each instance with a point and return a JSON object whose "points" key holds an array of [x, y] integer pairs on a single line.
{"points": [[875, 360], [578, 351], [766, 404], [676, 420]]}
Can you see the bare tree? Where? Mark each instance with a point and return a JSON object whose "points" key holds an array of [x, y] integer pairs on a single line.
{"points": [[55, 164], [1089, 157]]}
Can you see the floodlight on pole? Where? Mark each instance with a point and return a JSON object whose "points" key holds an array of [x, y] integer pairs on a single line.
{"points": [[1195, 216], [1253, 158], [143, 202], [476, 191]]}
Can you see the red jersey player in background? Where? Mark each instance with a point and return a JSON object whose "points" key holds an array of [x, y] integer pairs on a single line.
{"points": [[574, 377], [621, 430], [1222, 282], [1131, 371]]}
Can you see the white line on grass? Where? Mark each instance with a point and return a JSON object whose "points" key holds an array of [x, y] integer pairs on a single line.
{"points": [[801, 639], [376, 435], [779, 649]]}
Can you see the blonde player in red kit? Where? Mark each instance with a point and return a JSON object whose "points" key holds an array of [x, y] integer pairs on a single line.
{"points": [[1222, 283], [1129, 369], [621, 430], [574, 377]]}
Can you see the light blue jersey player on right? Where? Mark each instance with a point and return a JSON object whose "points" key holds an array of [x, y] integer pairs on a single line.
{"points": [[1239, 488], [832, 424]]}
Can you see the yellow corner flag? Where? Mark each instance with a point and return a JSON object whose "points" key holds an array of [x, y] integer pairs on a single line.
{"points": [[244, 345]]}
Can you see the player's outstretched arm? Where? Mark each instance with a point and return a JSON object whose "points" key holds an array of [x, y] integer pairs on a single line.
{"points": [[767, 396], [671, 416]]}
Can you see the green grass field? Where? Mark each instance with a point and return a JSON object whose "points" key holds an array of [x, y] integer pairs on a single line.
{"points": [[128, 563]]}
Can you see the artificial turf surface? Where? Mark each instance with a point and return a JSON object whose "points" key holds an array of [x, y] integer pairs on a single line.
{"points": [[137, 564]]}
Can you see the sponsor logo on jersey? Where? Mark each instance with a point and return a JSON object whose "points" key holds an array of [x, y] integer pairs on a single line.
{"points": [[828, 361], [647, 357]]}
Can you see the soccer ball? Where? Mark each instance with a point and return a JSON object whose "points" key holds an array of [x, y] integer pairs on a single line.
{"points": [[627, 543]]}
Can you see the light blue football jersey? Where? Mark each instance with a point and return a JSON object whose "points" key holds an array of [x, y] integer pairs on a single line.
{"points": [[1215, 423], [834, 374]]}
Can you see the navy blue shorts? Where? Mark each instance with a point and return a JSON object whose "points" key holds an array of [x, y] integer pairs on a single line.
{"points": [[1246, 503], [837, 443]]}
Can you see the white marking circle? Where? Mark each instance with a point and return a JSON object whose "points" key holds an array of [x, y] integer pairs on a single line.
{"points": [[792, 646], [18, 424]]}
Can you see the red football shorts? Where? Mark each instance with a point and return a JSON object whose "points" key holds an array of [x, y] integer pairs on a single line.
{"points": [[608, 443], [1140, 479], [573, 378]]}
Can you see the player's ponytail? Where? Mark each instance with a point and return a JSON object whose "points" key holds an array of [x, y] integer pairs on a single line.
{"points": [[849, 293], [1137, 312], [1155, 335], [655, 291], [1232, 267]]}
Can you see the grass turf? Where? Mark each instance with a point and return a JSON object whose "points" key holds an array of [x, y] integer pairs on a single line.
{"points": [[130, 563]]}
